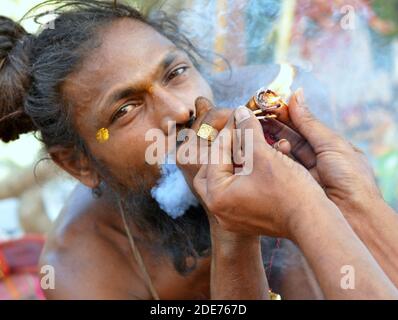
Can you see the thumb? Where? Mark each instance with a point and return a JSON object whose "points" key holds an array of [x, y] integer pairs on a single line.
{"points": [[253, 143], [309, 127], [246, 120]]}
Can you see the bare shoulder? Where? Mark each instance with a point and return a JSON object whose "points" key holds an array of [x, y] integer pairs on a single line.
{"points": [[88, 254]]}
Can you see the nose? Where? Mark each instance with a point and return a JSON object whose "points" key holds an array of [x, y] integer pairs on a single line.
{"points": [[171, 107]]}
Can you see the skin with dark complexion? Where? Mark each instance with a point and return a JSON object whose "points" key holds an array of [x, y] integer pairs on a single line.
{"points": [[216, 183], [130, 89], [88, 246], [92, 258], [156, 84]]}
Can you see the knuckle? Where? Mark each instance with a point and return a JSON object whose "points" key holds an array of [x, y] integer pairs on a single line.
{"points": [[307, 119], [341, 143]]}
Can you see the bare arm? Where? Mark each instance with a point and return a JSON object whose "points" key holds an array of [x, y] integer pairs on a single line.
{"points": [[280, 198], [237, 270], [377, 225], [349, 182], [329, 244]]}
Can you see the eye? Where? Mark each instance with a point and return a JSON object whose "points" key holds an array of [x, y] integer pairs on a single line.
{"points": [[124, 110], [176, 72]]}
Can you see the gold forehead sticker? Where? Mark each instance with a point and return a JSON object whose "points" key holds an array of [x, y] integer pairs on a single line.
{"points": [[102, 135]]}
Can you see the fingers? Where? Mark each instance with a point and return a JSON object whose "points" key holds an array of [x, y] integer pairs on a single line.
{"points": [[253, 144], [283, 116], [245, 119], [218, 119], [207, 113], [221, 166], [300, 148], [356, 149], [312, 129], [202, 106], [283, 146], [315, 175]]}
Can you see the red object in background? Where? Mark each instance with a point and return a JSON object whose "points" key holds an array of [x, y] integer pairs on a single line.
{"points": [[19, 268], [268, 137], [4, 267]]}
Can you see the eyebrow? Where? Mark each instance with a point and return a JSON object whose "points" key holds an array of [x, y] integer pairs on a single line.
{"points": [[121, 94]]}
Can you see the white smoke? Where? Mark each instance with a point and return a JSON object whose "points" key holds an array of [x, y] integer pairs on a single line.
{"points": [[352, 73], [172, 191]]}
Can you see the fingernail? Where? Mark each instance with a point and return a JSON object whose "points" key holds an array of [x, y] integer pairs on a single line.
{"points": [[241, 114], [279, 143], [300, 97]]}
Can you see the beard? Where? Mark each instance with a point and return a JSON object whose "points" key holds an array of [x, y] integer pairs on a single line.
{"points": [[184, 239]]}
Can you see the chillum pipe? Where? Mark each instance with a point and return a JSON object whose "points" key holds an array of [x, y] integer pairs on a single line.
{"points": [[266, 104]]}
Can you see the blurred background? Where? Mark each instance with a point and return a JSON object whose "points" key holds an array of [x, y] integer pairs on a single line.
{"points": [[350, 46]]}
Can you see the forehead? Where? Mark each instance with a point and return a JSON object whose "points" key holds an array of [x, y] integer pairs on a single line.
{"points": [[128, 50]]}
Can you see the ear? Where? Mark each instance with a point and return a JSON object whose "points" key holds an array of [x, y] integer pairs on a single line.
{"points": [[76, 164]]}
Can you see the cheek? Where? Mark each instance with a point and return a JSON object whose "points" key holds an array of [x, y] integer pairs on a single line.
{"points": [[124, 158], [196, 87]]}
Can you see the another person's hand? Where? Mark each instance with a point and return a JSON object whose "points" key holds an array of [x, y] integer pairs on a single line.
{"points": [[280, 198], [348, 180], [340, 168], [271, 199], [192, 150]]}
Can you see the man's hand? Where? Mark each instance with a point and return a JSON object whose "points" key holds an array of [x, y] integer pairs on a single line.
{"points": [[270, 199], [230, 250], [280, 198], [341, 169], [349, 182]]}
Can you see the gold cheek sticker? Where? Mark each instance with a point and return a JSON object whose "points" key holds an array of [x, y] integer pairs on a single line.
{"points": [[102, 135]]}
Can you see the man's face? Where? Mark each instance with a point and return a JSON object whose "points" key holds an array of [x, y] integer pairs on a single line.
{"points": [[136, 80]]}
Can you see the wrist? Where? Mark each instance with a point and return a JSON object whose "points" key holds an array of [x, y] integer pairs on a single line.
{"points": [[359, 203], [311, 217], [370, 216], [230, 243]]}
